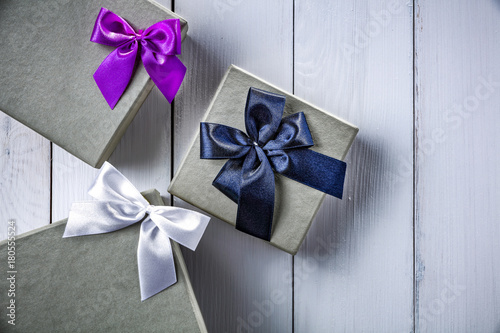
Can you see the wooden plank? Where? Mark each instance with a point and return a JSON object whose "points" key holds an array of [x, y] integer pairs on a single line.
{"points": [[25, 177], [237, 279], [354, 273], [457, 179]]}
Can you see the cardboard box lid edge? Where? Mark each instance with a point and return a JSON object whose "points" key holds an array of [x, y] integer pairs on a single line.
{"points": [[124, 124]]}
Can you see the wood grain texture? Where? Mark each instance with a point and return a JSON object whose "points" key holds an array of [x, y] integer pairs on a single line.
{"points": [[236, 278], [354, 272], [457, 157], [24, 178]]}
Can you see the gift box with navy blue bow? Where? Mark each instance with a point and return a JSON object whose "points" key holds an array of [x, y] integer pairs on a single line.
{"points": [[77, 72], [264, 160]]}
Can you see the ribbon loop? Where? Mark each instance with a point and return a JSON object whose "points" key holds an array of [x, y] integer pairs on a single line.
{"points": [[159, 44], [120, 205], [111, 186], [112, 30], [161, 37], [263, 112], [292, 133], [219, 141], [179, 224], [273, 144]]}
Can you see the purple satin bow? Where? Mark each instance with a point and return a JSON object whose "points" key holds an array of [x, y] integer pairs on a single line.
{"points": [[158, 44]]}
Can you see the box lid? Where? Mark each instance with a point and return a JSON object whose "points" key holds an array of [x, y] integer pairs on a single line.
{"points": [[295, 204], [91, 284], [48, 62]]}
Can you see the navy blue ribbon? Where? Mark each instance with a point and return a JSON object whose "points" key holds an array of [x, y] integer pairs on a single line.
{"points": [[272, 143]]}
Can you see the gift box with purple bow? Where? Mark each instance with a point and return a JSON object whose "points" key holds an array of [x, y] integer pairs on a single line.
{"points": [[264, 160], [86, 67]]}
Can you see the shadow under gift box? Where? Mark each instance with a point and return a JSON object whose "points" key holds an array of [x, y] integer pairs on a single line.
{"points": [[91, 284], [47, 64], [295, 204]]}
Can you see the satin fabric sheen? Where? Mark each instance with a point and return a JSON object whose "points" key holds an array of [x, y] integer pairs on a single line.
{"points": [[120, 205], [158, 46], [271, 143]]}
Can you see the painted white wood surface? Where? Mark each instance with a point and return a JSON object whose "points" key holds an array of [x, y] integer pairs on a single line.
{"points": [[235, 277], [354, 273], [457, 166], [24, 177]]}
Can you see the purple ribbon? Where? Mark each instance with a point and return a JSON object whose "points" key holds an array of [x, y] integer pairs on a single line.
{"points": [[158, 45]]}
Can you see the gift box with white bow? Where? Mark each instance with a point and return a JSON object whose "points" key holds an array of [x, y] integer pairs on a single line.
{"points": [[121, 274], [263, 160], [77, 74]]}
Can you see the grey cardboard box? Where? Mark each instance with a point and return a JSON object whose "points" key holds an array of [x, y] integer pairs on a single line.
{"points": [[295, 204], [91, 284], [47, 62]]}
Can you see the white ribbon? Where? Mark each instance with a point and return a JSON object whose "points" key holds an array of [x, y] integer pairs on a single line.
{"points": [[119, 205]]}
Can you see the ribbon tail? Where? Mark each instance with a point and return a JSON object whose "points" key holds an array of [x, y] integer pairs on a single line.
{"points": [[310, 168], [155, 260], [166, 71], [114, 73], [96, 217], [229, 179], [256, 197]]}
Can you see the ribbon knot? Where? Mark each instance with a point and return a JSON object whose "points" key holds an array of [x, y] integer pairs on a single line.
{"points": [[120, 205], [159, 44], [150, 209], [271, 143]]}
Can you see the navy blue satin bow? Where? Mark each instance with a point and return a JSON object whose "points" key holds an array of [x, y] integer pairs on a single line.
{"points": [[272, 143]]}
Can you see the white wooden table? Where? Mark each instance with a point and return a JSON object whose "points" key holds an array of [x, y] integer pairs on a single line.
{"points": [[414, 245]]}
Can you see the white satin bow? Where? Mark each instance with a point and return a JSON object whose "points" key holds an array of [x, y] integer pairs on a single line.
{"points": [[119, 205]]}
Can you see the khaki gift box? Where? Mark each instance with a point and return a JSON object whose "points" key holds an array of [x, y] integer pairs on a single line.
{"points": [[91, 284], [295, 204], [47, 61]]}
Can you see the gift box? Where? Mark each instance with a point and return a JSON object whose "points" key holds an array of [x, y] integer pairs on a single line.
{"points": [[89, 284], [48, 63], [295, 204]]}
